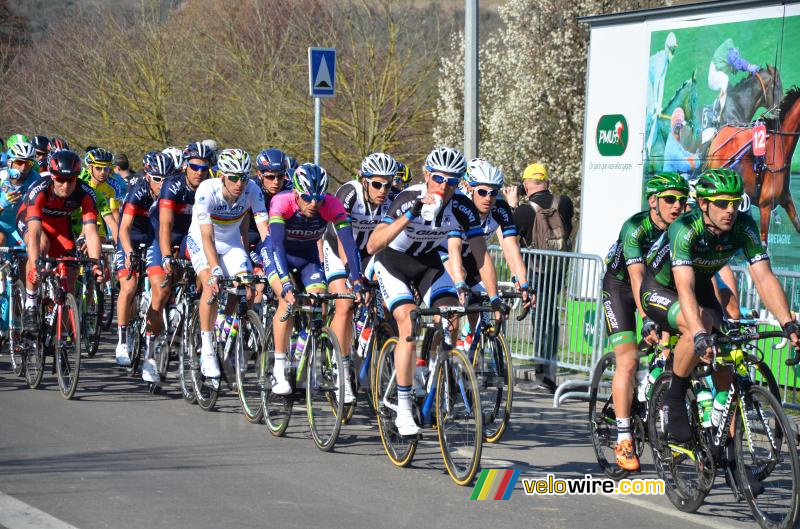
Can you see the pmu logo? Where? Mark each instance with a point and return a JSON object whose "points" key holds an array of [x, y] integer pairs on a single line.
{"points": [[612, 135]]}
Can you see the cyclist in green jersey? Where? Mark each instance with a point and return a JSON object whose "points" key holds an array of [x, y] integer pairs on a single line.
{"points": [[667, 195], [678, 293]]}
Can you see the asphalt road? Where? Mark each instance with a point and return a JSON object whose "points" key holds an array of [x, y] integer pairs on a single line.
{"points": [[118, 457]]}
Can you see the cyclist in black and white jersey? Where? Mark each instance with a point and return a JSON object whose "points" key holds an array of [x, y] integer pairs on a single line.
{"points": [[366, 201], [409, 256]]}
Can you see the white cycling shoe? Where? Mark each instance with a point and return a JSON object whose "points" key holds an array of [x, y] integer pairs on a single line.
{"points": [[123, 358], [281, 386], [150, 371], [209, 366], [406, 425], [349, 397]]}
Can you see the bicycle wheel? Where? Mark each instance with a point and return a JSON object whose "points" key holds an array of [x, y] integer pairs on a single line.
{"points": [[324, 387], [190, 341], [277, 409], [16, 348], [459, 417], [249, 367], [688, 471], [108, 297], [492, 365], [399, 449], [765, 447], [68, 347], [161, 351], [91, 311], [135, 331], [206, 390], [378, 339], [603, 418]]}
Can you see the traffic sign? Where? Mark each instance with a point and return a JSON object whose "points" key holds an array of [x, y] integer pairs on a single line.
{"points": [[321, 72]]}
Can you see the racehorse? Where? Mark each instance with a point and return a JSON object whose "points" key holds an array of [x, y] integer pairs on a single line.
{"points": [[686, 98], [764, 89], [767, 187]]}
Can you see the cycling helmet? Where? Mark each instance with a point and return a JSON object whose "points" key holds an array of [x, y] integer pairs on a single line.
{"points": [[234, 161], [21, 151], [176, 154], [161, 164], [718, 182], [666, 181], [211, 144], [481, 172], [99, 157], [378, 164], [274, 160], [147, 159], [197, 150], [403, 177], [58, 144], [41, 143], [15, 138], [64, 163], [446, 160], [310, 179]]}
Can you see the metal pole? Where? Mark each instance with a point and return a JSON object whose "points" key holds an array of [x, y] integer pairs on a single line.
{"points": [[471, 79], [317, 126]]}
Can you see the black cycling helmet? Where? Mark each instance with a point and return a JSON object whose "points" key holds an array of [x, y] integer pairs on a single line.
{"points": [[41, 143], [64, 164]]}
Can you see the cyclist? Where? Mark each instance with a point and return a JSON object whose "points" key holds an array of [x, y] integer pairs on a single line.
{"points": [[14, 182], [177, 157], [409, 256], [41, 145], [98, 167], [140, 206], [667, 194], [483, 184], [678, 294], [365, 201], [403, 177], [217, 242], [43, 221], [297, 221]]}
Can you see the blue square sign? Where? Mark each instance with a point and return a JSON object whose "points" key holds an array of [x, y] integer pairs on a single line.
{"points": [[321, 72]]}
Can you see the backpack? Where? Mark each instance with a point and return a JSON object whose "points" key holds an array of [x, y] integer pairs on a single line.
{"points": [[548, 227]]}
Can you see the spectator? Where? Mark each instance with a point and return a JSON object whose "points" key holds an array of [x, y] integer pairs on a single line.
{"points": [[121, 174], [540, 205]]}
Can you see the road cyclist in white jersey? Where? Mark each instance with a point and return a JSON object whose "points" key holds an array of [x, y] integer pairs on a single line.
{"points": [[408, 257], [217, 238], [366, 202]]}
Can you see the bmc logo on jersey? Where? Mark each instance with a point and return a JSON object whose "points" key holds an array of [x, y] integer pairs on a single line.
{"points": [[612, 135]]}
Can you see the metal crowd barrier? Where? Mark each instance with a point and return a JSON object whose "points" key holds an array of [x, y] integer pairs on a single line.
{"points": [[566, 329], [775, 351]]}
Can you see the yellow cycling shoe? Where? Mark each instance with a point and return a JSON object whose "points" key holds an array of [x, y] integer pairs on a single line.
{"points": [[626, 457]]}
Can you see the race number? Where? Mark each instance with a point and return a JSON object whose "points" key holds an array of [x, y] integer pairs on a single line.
{"points": [[760, 140]]}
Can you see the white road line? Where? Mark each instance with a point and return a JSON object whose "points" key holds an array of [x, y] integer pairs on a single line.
{"points": [[696, 519], [16, 514]]}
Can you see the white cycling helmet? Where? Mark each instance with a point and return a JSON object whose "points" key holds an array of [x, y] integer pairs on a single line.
{"points": [[234, 161], [21, 150], [481, 172], [177, 156], [446, 160], [379, 164], [311, 179], [211, 144]]}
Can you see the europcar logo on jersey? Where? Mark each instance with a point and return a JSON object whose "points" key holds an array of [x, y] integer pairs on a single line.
{"points": [[612, 135]]}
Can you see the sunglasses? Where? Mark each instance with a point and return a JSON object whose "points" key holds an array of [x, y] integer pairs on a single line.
{"points": [[487, 192], [451, 181], [725, 203], [272, 176], [308, 197], [157, 179], [235, 178], [379, 185], [671, 199], [64, 179], [24, 163], [197, 167], [41, 153]]}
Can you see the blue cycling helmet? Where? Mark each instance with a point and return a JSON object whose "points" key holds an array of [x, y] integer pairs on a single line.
{"points": [[310, 179], [198, 150], [273, 160], [161, 164]]}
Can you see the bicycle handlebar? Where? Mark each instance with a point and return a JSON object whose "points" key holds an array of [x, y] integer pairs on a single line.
{"points": [[756, 335], [311, 296]]}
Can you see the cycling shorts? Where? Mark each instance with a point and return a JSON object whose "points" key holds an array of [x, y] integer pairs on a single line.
{"points": [[661, 304], [234, 261], [335, 268], [306, 271], [397, 272], [620, 310], [58, 233], [152, 260]]}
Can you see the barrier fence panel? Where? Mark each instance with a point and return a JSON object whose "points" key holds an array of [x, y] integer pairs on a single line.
{"points": [[566, 327]]}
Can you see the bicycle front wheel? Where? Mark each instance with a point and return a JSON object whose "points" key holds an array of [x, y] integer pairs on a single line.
{"points": [[190, 342], [325, 380], [108, 298], [250, 365], [277, 409], [206, 390], [766, 454], [16, 347], [493, 369], [399, 449], [91, 312], [459, 417], [68, 347]]}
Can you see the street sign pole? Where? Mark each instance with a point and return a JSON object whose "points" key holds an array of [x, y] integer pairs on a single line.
{"points": [[321, 83], [317, 124]]}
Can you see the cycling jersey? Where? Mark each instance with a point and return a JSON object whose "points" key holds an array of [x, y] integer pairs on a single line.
{"points": [[119, 184], [458, 217], [106, 201], [8, 210], [500, 216], [637, 236], [142, 206], [293, 234], [253, 235], [179, 197], [687, 242]]}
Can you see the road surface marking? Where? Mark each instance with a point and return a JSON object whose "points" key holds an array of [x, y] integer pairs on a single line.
{"points": [[16, 514]]}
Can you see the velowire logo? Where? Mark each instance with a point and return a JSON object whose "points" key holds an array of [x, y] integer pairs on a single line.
{"points": [[612, 135]]}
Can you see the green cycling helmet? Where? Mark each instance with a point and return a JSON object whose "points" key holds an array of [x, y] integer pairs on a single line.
{"points": [[14, 139], [665, 182], [718, 182]]}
